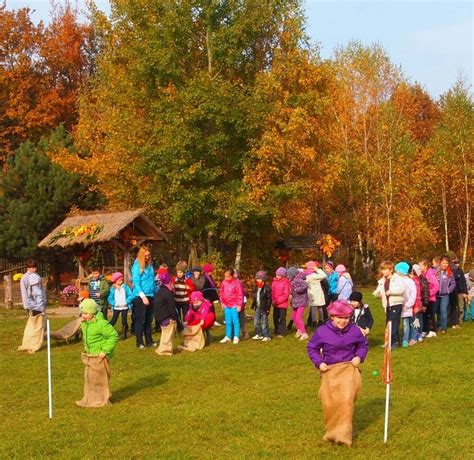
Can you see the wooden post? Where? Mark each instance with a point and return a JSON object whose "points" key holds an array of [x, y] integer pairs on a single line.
{"points": [[8, 285], [126, 267]]}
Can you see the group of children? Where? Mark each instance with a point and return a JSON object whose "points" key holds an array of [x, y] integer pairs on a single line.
{"points": [[426, 298]]}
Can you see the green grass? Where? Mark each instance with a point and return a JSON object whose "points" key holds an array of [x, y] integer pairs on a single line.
{"points": [[254, 400]]}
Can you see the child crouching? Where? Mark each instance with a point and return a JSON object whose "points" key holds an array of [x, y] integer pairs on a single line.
{"points": [[100, 339]]}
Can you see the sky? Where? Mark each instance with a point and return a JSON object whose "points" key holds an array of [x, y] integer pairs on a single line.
{"points": [[431, 40]]}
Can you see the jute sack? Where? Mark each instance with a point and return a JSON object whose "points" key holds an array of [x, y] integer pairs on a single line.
{"points": [[96, 382], [340, 385], [68, 331], [33, 334], [193, 338], [166, 341]]}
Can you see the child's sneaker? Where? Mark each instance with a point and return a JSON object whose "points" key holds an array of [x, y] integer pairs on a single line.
{"points": [[423, 335], [257, 337], [298, 334], [405, 344], [412, 342], [420, 339], [225, 340], [266, 339], [304, 336], [236, 341], [217, 324], [431, 334]]}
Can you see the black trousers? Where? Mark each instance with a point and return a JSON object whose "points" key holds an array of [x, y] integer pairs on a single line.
{"points": [[394, 314], [118, 313], [429, 319], [453, 312], [143, 315], [182, 308], [279, 320]]}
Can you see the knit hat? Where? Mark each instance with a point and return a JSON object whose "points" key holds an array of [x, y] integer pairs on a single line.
{"points": [[164, 277], [340, 269], [196, 269], [196, 296], [88, 306], [341, 308], [181, 266], [281, 271], [311, 265], [208, 268], [403, 268], [356, 296], [330, 263], [291, 272], [261, 275], [417, 269], [116, 276], [162, 270]]}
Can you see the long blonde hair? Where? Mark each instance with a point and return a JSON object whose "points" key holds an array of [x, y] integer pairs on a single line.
{"points": [[141, 257]]}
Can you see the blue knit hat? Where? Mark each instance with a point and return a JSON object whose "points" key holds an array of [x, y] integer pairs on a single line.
{"points": [[403, 268]]}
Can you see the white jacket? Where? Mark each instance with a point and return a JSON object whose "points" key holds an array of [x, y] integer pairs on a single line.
{"points": [[396, 288], [409, 297], [315, 290]]}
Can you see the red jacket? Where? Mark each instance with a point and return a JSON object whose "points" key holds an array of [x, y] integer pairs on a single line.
{"points": [[200, 314], [231, 294], [280, 292], [418, 303]]}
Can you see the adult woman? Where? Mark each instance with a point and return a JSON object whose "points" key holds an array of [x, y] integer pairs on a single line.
{"points": [[144, 288], [337, 348]]}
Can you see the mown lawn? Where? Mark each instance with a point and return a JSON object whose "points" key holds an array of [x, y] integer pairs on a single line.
{"points": [[254, 400]]}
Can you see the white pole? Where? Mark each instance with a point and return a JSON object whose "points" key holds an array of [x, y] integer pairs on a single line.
{"points": [[387, 392], [50, 393]]}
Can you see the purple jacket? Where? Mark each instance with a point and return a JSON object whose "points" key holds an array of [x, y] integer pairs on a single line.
{"points": [[299, 291], [331, 345]]}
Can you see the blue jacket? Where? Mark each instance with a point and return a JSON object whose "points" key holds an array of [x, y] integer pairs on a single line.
{"points": [[143, 282], [128, 296], [332, 282]]}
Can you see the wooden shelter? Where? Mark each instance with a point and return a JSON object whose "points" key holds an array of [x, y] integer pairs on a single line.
{"points": [[125, 230]]}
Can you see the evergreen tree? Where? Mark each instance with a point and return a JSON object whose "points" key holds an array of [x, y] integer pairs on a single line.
{"points": [[35, 196]]}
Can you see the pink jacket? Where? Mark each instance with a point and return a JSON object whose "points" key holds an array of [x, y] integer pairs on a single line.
{"points": [[231, 294], [418, 303], [433, 282], [280, 292], [200, 314]]}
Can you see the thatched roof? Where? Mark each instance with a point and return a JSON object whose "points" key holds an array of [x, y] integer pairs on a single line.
{"points": [[99, 227]]}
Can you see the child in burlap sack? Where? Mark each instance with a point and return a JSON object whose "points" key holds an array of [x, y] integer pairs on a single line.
{"points": [[337, 348], [100, 339], [34, 301]]}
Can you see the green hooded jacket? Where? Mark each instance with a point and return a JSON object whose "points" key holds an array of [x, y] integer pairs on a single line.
{"points": [[99, 336]]}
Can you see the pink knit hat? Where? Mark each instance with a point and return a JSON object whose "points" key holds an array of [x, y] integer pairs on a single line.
{"points": [[341, 308], [340, 269], [311, 265], [208, 268], [116, 276], [197, 296]]}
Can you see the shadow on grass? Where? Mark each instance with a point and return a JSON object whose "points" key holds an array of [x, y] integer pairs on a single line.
{"points": [[150, 381], [367, 413], [375, 342]]}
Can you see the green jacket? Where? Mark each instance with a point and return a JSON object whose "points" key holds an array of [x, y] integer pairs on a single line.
{"points": [[99, 336]]}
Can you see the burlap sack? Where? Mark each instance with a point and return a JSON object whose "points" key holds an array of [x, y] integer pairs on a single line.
{"points": [[166, 341], [68, 331], [96, 382], [33, 334], [193, 338], [340, 386]]}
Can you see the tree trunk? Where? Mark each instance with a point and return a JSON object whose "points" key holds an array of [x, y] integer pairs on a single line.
{"points": [[468, 211], [445, 215], [193, 254], [210, 243], [238, 253], [8, 286]]}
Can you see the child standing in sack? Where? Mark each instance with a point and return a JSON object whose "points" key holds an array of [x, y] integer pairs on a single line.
{"points": [[337, 348], [262, 302], [100, 339], [120, 299]]}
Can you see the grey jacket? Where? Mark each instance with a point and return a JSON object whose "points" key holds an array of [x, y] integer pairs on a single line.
{"points": [[33, 295]]}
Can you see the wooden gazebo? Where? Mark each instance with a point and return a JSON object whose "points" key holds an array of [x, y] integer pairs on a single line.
{"points": [[125, 230]]}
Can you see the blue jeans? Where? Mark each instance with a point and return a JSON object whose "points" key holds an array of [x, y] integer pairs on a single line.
{"points": [[409, 332], [442, 310], [470, 307], [261, 316], [231, 316], [419, 330]]}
